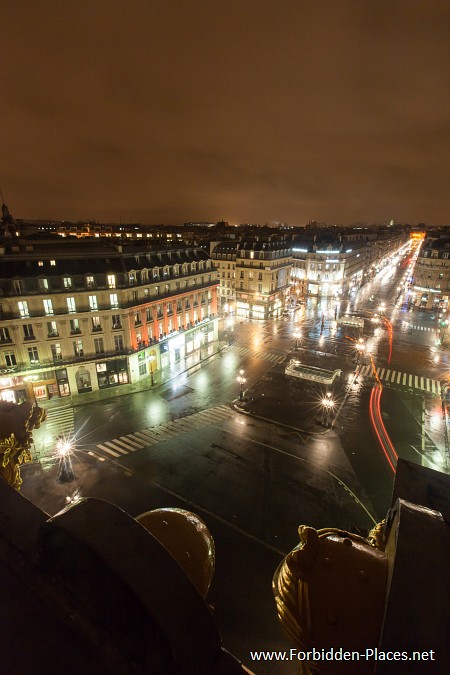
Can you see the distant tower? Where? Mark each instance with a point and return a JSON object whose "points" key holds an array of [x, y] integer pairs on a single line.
{"points": [[7, 229]]}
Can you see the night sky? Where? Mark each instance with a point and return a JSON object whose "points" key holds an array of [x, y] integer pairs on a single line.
{"points": [[243, 110]]}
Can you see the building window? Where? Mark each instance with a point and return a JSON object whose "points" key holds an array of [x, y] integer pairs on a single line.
{"points": [[75, 326], [78, 348], [93, 302], [259, 288], [53, 263], [111, 280], [48, 306], [19, 286], [4, 335], [43, 284], [56, 352], [33, 355], [96, 325], [143, 368], [52, 329], [10, 359], [116, 321], [67, 282], [23, 309], [90, 282], [98, 346], [71, 307], [148, 314], [137, 319], [28, 331], [118, 343], [113, 300]]}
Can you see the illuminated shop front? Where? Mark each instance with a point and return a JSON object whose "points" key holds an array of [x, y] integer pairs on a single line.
{"points": [[31, 387], [111, 373]]}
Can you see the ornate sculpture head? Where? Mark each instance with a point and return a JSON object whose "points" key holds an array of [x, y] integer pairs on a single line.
{"points": [[17, 422], [330, 593]]}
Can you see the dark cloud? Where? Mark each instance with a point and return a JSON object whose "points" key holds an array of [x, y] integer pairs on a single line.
{"points": [[248, 110]]}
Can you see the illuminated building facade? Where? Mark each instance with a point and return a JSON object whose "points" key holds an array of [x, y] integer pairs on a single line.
{"points": [[259, 278], [78, 317], [432, 274], [334, 265]]}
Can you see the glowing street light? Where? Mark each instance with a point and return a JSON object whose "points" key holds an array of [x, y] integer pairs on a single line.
{"points": [[360, 349], [327, 408], [64, 449], [241, 380]]}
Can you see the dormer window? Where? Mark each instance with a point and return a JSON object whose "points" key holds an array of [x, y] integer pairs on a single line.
{"points": [[67, 282], [43, 284], [90, 282]]}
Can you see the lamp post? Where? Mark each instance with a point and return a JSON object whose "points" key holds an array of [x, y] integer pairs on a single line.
{"points": [[64, 449], [241, 380], [360, 349], [151, 359], [328, 404]]}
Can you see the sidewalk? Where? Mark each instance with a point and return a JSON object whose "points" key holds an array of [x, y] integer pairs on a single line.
{"points": [[160, 377]]}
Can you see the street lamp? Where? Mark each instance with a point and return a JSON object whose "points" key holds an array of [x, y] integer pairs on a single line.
{"points": [[64, 449], [327, 406], [151, 359], [241, 380], [360, 349]]}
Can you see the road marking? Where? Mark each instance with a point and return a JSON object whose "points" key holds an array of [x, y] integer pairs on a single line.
{"points": [[108, 450], [147, 437], [99, 457], [134, 441], [115, 446]]}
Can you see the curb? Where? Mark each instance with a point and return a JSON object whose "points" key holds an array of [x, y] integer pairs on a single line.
{"points": [[235, 405]]}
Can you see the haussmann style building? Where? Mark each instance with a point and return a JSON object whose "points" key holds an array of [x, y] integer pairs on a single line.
{"points": [[80, 316]]}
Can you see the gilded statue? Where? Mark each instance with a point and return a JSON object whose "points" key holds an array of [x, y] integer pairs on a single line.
{"points": [[17, 422], [330, 595]]}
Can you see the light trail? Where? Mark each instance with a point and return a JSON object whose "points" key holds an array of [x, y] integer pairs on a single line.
{"points": [[379, 428]]}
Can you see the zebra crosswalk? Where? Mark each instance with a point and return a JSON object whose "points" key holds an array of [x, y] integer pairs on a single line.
{"points": [[59, 421], [274, 358], [124, 445], [406, 324], [398, 378]]}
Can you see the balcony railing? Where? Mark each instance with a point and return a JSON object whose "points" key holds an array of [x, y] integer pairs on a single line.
{"points": [[123, 351]]}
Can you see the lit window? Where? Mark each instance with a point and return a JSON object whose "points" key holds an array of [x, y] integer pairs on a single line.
{"points": [[52, 263], [93, 302], [33, 355], [71, 307], [23, 309], [113, 300], [48, 306], [111, 281]]}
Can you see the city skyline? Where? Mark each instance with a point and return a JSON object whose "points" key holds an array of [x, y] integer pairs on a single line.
{"points": [[247, 112]]}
